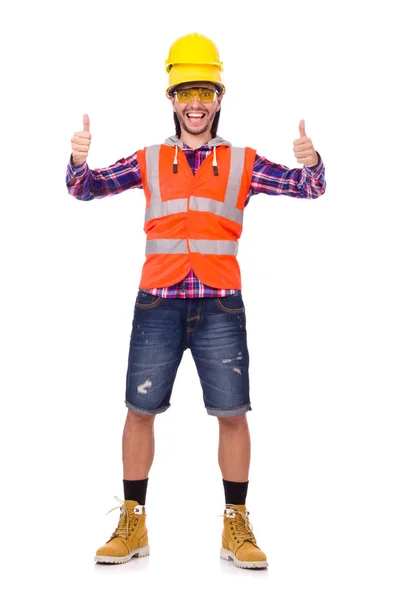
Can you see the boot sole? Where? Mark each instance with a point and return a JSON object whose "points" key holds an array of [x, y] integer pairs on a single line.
{"points": [[228, 555], [138, 552]]}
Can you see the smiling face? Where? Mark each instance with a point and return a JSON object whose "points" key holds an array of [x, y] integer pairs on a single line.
{"points": [[196, 117]]}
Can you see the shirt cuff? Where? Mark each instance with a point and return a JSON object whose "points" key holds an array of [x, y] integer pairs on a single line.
{"points": [[317, 169], [79, 170]]}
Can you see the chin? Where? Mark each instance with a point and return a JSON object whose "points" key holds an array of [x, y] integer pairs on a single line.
{"points": [[197, 131]]}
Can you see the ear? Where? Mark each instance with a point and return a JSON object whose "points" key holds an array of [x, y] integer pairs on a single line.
{"points": [[172, 100], [220, 98]]}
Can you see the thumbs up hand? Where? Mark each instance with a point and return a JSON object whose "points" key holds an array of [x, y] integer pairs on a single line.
{"points": [[303, 148], [81, 141]]}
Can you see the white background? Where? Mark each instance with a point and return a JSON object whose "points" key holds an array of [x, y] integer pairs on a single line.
{"points": [[319, 284]]}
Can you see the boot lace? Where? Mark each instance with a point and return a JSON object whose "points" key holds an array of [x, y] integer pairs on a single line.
{"points": [[123, 527], [242, 528]]}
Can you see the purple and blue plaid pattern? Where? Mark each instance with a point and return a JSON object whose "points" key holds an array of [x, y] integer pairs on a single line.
{"points": [[267, 178]]}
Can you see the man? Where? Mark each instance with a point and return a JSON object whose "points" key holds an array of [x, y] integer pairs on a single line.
{"points": [[196, 186]]}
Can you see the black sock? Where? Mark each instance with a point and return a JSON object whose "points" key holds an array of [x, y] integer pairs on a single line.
{"points": [[135, 490], [235, 492]]}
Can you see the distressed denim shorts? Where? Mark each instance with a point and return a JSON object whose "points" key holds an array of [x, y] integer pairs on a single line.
{"points": [[214, 329]]}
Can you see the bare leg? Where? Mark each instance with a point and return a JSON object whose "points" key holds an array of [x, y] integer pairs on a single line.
{"points": [[138, 445], [234, 448]]}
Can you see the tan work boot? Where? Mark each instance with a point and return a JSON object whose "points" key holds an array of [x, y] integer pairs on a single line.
{"points": [[238, 541], [130, 537]]}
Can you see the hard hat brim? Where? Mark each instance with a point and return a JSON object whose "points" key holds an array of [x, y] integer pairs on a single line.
{"points": [[189, 73]]}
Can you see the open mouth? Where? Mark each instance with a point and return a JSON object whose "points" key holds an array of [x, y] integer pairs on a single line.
{"points": [[195, 117]]}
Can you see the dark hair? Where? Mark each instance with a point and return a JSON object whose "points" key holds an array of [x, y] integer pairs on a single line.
{"points": [[214, 128]]}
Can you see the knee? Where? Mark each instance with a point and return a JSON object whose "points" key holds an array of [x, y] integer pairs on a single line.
{"points": [[139, 419], [236, 422]]}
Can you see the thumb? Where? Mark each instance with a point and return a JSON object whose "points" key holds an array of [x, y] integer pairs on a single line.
{"points": [[86, 122], [302, 129]]}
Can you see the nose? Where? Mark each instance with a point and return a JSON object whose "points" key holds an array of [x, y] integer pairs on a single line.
{"points": [[195, 102]]}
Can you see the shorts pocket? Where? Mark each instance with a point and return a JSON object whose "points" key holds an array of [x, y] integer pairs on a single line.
{"points": [[232, 303], [145, 300]]}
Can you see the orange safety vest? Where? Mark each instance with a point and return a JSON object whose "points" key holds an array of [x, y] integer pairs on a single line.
{"points": [[194, 221]]}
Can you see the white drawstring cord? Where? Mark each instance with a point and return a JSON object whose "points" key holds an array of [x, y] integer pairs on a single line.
{"points": [[175, 164], [214, 163]]}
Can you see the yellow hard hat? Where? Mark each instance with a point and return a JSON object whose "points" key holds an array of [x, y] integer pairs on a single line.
{"points": [[193, 57]]}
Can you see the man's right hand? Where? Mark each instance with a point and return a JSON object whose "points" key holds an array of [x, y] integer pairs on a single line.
{"points": [[81, 143]]}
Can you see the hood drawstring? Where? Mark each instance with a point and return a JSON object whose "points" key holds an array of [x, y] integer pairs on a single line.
{"points": [[175, 165], [214, 163]]}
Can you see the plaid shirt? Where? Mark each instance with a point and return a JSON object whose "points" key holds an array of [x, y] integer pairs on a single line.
{"points": [[267, 178]]}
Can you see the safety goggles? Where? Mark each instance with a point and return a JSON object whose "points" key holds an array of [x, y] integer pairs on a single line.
{"points": [[204, 95]]}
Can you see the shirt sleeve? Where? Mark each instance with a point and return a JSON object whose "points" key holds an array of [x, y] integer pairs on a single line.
{"points": [[274, 179], [86, 184]]}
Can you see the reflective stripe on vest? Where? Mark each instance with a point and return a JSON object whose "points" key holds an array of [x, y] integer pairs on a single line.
{"points": [[168, 246], [152, 161], [214, 246], [217, 208], [171, 207], [235, 175], [157, 208]]}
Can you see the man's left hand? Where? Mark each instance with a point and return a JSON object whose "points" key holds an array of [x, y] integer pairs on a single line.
{"points": [[304, 149]]}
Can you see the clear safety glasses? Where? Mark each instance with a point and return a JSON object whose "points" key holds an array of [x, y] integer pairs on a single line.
{"points": [[204, 95]]}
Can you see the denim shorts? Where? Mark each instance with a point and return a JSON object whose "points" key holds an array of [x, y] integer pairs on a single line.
{"points": [[214, 329]]}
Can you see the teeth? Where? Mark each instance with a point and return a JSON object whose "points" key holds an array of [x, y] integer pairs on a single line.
{"points": [[195, 114]]}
